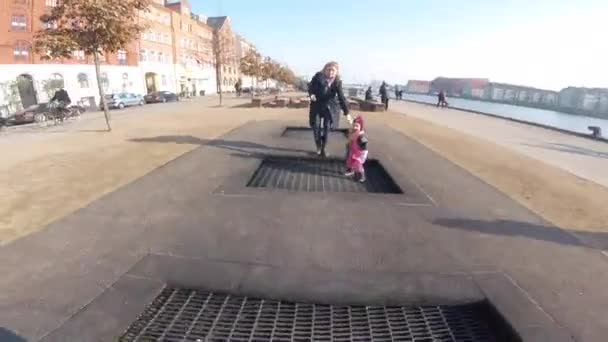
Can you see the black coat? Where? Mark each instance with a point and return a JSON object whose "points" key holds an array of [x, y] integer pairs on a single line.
{"points": [[383, 92], [61, 95], [325, 104]]}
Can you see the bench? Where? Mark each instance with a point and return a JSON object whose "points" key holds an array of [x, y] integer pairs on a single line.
{"points": [[282, 102], [354, 105], [371, 106], [260, 101], [297, 102]]}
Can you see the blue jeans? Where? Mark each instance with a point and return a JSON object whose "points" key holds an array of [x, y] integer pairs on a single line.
{"points": [[320, 129]]}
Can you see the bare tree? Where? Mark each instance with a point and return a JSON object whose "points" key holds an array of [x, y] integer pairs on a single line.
{"points": [[223, 54], [93, 26], [269, 70], [251, 65], [286, 76]]}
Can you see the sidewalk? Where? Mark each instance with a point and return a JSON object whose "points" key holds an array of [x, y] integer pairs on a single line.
{"points": [[585, 158]]}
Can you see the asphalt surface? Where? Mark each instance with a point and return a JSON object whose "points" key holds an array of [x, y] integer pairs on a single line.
{"points": [[194, 223]]}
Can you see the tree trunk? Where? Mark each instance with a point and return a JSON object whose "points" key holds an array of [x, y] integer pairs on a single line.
{"points": [[101, 92], [252, 87], [218, 76]]}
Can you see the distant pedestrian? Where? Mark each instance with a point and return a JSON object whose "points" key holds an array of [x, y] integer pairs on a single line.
{"points": [[238, 87], [396, 93], [401, 94], [323, 89], [356, 150], [441, 99], [384, 95], [368, 94]]}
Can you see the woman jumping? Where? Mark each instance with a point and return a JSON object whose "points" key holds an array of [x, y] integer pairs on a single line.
{"points": [[323, 89]]}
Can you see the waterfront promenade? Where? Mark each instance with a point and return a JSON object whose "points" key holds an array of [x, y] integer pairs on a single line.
{"points": [[585, 158]]}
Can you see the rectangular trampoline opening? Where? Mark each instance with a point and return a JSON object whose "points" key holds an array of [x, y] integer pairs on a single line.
{"points": [[306, 132], [199, 315], [320, 175]]}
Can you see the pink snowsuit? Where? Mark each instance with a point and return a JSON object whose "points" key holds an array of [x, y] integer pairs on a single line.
{"points": [[356, 155]]}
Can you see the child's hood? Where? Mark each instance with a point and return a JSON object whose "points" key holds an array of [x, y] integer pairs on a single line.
{"points": [[359, 120]]}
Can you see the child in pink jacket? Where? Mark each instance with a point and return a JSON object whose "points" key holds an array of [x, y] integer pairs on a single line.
{"points": [[357, 151]]}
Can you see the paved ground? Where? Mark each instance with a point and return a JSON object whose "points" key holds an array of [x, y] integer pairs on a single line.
{"points": [[583, 157], [48, 173], [104, 261], [554, 193]]}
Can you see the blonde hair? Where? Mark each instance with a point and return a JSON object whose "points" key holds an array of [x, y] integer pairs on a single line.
{"points": [[332, 64]]}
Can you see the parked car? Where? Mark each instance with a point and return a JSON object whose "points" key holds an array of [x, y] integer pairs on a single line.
{"points": [[161, 96], [122, 100], [33, 113]]}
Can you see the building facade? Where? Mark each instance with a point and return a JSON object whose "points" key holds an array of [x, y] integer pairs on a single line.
{"points": [[589, 101], [459, 87], [418, 87], [156, 54], [520, 95], [195, 70], [27, 79], [173, 54], [243, 47]]}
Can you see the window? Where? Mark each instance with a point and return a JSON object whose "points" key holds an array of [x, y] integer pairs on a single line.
{"points": [[50, 3], [125, 76], [152, 56], [49, 25], [78, 55], [22, 51], [122, 57], [163, 80], [56, 81], [166, 38], [143, 55], [18, 23], [83, 80], [105, 83]]}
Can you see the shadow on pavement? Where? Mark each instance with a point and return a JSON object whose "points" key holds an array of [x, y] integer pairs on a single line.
{"points": [[570, 149], [528, 230], [239, 146], [77, 131], [244, 105], [8, 336]]}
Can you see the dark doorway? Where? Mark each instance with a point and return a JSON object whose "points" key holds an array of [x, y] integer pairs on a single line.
{"points": [[25, 84], [151, 82]]}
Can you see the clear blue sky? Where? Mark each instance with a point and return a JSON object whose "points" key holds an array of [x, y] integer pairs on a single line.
{"points": [[542, 43]]}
